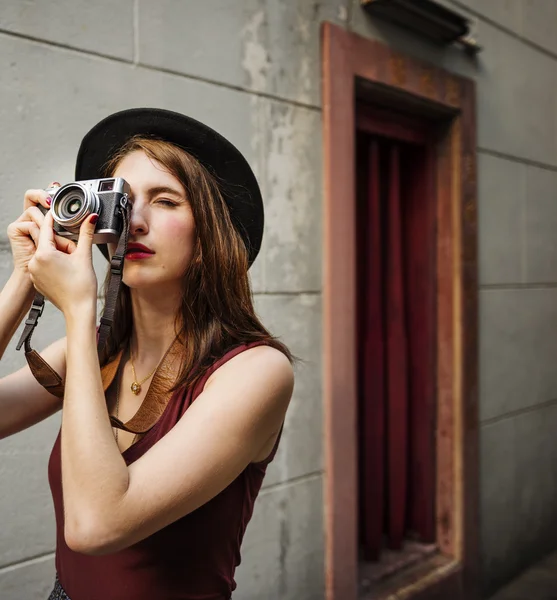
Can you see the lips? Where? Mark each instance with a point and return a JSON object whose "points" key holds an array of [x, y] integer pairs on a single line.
{"points": [[138, 249]]}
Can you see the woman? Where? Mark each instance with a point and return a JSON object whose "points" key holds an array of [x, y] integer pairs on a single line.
{"points": [[158, 512]]}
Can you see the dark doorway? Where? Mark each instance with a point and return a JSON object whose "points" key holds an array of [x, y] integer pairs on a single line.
{"points": [[396, 341]]}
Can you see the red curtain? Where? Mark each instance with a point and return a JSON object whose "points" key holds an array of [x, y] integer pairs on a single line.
{"points": [[396, 342]]}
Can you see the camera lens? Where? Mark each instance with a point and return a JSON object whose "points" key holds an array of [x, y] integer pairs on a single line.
{"points": [[69, 205], [72, 204]]}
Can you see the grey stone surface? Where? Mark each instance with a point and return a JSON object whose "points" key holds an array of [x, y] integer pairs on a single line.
{"points": [[541, 225], [516, 98], [293, 202], [538, 23], [296, 320], [28, 525], [258, 148], [501, 206], [538, 582], [263, 45], [282, 553], [506, 13], [52, 135], [517, 349], [518, 491], [536, 466], [32, 580], [498, 504], [103, 26], [201, 39]]}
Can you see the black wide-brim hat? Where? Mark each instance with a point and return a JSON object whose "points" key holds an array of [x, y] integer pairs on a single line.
{"points": [[221, 158]]}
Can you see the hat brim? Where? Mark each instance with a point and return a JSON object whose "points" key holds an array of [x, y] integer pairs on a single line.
{"points": [[222, 159]]}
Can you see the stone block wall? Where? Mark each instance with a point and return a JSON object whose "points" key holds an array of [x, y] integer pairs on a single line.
{"points": [[252, 70]]}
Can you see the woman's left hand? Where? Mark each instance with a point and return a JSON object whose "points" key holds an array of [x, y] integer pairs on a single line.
{"points": [[67, 279]]}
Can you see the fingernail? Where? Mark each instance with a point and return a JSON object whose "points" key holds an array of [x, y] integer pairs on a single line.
{"points": [[94, 219], [49, 200], [56, 184]]}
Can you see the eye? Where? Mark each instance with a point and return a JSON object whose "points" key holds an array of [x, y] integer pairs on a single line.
{"points": [[166, 202]]}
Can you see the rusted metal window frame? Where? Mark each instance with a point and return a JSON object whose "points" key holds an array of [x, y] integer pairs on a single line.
{"points": [[353, 65]]}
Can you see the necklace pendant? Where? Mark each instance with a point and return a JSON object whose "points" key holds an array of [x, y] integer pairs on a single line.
{"points": [[136, 388]]}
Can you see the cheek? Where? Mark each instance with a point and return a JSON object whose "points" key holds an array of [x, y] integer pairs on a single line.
{"points": [[179, 236]]}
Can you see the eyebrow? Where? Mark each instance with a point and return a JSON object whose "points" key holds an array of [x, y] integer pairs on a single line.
{"points": [[164, 190]]}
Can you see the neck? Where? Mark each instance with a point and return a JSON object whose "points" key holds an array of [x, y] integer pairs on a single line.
{"points": [[154, 323]]}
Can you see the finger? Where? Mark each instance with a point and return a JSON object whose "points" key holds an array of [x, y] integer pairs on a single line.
{"points": [[34, 197], [65, 244], [34, 233], [52, 188], [29, 228], [86, 233], [46, 238], [34, 213]]}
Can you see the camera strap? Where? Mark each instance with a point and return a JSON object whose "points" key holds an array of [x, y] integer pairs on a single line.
{"points": [[115, 282], [41, 370]]}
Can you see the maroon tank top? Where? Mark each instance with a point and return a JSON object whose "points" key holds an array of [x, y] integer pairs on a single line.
{"points": [[194, 558]]}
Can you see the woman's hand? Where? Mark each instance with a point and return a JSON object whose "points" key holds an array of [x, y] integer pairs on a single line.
{"points": [[24, 233], [67, 279]]}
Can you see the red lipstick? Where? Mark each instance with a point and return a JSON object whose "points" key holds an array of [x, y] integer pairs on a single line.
{"points": [[138, 251]]}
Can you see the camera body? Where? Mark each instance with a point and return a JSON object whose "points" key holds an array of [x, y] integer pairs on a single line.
{"points": [[74, 202]]}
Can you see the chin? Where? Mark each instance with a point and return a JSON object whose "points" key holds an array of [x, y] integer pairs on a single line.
{"points": [[141, 282], [138, 281]]}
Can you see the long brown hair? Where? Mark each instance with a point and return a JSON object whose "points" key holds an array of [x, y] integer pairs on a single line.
{"points": [[217, 310]]}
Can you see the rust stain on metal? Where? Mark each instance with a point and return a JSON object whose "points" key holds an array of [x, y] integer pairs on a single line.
{"points": [[427, 82], [452, 91], [397, 68]]}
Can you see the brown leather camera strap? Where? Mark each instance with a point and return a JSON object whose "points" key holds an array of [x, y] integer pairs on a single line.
{"points": [[45, 374], [155, 401], [116, 271], [158, 395]]}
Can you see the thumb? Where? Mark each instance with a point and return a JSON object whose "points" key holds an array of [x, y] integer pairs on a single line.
{"points": [[86, 232]]}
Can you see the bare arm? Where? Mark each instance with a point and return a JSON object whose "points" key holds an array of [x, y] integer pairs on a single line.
{"points": [[110, 506], [15, 301], [23, 401]]}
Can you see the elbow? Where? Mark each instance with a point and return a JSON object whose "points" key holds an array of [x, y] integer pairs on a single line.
{"points": [[90, 539]]}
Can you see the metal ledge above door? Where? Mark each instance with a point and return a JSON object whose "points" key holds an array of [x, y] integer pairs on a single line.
{"points": [[426, 18]]}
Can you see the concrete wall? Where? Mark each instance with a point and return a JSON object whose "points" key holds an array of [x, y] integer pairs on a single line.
{"points": [[251, 69]]}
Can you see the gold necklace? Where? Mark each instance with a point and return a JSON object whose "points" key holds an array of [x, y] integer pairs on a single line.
{"points": [[136, 385]]}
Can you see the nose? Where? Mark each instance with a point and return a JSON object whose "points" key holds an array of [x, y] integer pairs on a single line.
{"points": [[138, 221]]}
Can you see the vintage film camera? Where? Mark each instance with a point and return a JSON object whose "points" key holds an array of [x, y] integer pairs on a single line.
{"points": [[74, 202]]}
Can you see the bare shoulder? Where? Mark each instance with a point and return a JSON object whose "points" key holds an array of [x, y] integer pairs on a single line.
{"points": [[261, 366]]}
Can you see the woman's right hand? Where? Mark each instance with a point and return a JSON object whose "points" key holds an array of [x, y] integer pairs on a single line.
{"points": [[24, 232]]}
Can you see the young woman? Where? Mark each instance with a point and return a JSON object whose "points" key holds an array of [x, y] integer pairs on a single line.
{"points": [[157, 511]]}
